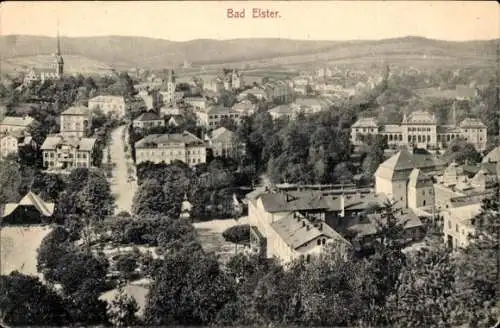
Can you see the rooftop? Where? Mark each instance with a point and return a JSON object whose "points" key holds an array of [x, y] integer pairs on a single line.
{"points": [[366, 122], [76, 110], [493, 156], [56, 140], [30, 199], [472, 123], [156, 140], [148, 116], [221, 133], [299, 201], [24, 121], [296, 230]]}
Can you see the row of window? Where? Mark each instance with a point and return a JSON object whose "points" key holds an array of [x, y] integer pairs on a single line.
{"points": [[419, 129], [171, 153], [52, 155]]}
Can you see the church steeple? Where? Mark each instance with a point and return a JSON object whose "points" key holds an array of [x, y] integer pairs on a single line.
{"points": [[59, 58]]}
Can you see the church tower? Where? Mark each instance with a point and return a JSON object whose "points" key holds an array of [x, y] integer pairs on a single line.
{"points": [[59, 59]]}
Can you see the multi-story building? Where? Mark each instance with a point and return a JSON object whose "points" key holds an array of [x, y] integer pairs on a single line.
{"points": [[405, 179], [148, 120], [420, 129], [198, 103], [70, 148], [215, 85], [14, 124], [75, 121], [224, 143], [259, 93], [311, 105], [213, 116], [184, 147], [108, 104], [11, 143], [278, 91], [288, 228], [245, 106], [67, 152]]}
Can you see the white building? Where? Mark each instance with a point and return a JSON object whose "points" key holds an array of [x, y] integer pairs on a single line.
{"points": [[184, 147], [14, 124], [420, 129], [108, 104], [66, 153], [224, 143], [75, 121]]}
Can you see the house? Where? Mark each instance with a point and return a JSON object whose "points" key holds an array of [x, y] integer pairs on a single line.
{"points": [[214, 115], [245, 106], [171, 110], [75, 121], [61, 152], [459, 218], [259, 93], [281, 111], [148, 120], [198, 103], [404, 178], [11, 143], [311, 105], [31, 209], [224, 143], [420, 129], [278, 91], [108, 104], [493, 156], [14, 124], [215, 85], [184, 147], [281, 228]]}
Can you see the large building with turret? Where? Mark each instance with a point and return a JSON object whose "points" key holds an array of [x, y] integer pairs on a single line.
{"points": [[420, 129]]}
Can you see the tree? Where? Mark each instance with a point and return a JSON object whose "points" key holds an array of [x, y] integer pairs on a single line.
{"points": [[26, 301], [238, 234], [478, 265], [425, 295], [53, 247], [190, 289], [385, 265], [10, 180], [149, 198], [460, 151], [48, 186], [122, 309]]}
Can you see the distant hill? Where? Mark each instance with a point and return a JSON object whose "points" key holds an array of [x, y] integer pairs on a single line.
{"points": [[126, 52]]}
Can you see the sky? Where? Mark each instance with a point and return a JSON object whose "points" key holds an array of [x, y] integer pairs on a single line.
{"points": [[318, 20]]}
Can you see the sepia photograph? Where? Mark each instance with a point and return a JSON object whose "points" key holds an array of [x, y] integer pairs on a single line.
{"points": [[250, 164]]}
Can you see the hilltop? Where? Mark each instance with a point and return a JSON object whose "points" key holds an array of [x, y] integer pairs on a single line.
{"points": [[126, 52]]}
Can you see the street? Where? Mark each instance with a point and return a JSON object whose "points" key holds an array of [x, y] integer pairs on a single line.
{"points": [[122, 187]]}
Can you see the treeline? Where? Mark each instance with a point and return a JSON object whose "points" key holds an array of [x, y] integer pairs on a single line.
{"points": [[209, 188]]}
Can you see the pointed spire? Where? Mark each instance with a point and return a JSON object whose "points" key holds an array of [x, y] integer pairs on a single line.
{"points": [[58, 41]]}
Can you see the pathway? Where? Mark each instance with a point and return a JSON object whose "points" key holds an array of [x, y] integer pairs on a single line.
{"points": [[122, 187]]}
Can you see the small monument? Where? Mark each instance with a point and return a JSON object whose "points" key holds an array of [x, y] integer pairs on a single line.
{"points": [[186, 207]]}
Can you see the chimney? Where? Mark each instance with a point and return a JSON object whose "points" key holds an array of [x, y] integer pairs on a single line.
{"points": [[320, 228]]}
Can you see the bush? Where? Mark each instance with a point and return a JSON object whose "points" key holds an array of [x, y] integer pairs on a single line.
{"points": [[238, 234], [124, 214], [126, 264]]}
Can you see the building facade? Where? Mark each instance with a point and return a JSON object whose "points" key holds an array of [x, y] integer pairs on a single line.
{"points": [[75, 122], [14, 124], [109, 104], [67, 153], [158, 148], [148, 120], [420, 129], [10, 144], [405, 179], [224, 143]]}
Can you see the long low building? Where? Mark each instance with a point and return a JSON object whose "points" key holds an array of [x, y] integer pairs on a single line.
{"points": [[158, 148], [422, 130]]}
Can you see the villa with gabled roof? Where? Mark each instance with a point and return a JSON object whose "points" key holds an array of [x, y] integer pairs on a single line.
{"points": [[31, 209]]}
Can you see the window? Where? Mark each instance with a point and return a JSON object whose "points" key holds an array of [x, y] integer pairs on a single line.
{"points": [[449, 224], [319, 241], [456, 227]]}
